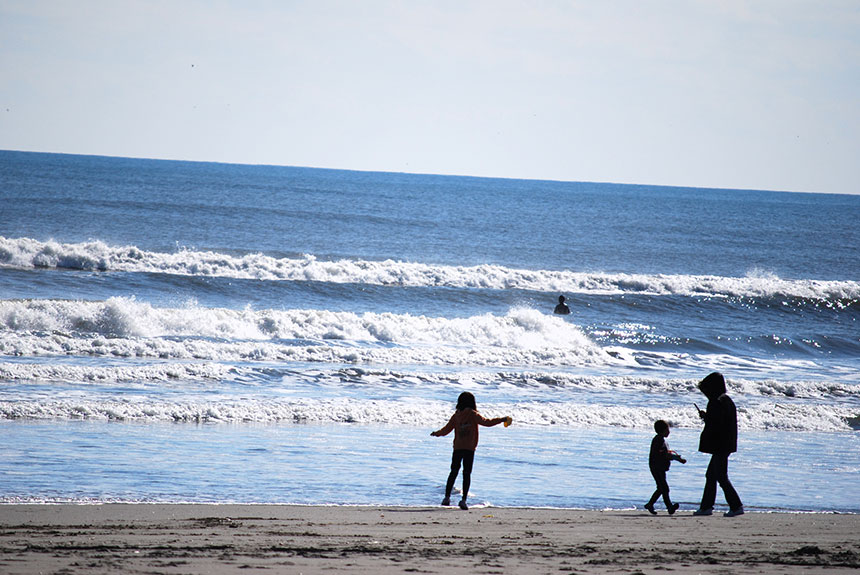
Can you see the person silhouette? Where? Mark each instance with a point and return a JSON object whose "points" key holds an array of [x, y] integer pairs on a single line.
{"points": [[660, 458], [561, 308], [464, 423], [720, 439]]}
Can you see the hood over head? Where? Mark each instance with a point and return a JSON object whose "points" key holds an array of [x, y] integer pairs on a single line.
{"points": [[713, 386]]}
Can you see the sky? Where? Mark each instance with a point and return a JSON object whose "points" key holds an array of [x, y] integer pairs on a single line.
{"points": [[760, 94]]}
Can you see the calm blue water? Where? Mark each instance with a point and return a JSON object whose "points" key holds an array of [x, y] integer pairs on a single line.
{"points": [[176, 331]]}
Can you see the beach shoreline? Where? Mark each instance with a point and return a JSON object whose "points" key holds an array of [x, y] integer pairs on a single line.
{"points": [[226, 538]]}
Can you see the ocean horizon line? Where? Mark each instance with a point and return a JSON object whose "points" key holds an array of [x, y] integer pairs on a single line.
{"points": [[634, 185]]}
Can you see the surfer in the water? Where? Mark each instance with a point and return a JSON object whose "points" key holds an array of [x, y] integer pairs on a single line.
{"points": [[561, 308]]}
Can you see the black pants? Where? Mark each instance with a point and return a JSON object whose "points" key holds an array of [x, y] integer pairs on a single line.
{"points": [[662, 488], [467, 457], [718, 472]]}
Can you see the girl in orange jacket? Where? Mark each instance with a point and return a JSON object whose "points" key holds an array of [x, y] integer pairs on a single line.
{"points": [[464, 423]]}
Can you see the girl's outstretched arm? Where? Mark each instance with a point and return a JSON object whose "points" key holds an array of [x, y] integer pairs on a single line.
{"points": [[490, 422], [449, 427]]}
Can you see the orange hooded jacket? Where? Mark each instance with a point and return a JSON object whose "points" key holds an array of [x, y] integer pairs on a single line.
{"points": [[465, 425]]}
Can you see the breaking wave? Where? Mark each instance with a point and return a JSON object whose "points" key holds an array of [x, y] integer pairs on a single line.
{"points": [[98, 256], [124, 327]]}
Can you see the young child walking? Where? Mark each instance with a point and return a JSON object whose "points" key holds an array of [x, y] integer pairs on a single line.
{"points": [[659, 460], [464, 423]]}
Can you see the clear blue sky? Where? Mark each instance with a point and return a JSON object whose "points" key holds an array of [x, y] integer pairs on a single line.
{"points": [[743, 94]]}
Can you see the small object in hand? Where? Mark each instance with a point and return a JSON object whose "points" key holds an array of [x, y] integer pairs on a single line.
{"points": [[508, 420]]}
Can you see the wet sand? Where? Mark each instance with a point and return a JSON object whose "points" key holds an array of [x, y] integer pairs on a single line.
{"points": [[215, 539]]}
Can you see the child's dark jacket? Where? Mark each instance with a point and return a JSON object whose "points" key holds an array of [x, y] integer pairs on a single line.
{"points": [[658, 457]]}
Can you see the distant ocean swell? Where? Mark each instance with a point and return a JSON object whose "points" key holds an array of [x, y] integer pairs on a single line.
{"points": [[98, 256]]}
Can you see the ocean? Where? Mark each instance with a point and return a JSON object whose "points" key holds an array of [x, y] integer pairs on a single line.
{"points": [[199, 332]]}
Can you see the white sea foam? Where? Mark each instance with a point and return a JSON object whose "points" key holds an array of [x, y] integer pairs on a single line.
{"points": [[521, 383], [124, 327], [768, 388], [159, 372], [419, 413], [98, 256]]}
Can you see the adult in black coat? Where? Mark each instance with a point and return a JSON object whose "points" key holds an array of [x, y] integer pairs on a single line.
{"points": [[720, 439]]}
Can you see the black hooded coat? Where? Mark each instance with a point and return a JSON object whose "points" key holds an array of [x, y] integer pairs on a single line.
{"points": [[720, 434]]}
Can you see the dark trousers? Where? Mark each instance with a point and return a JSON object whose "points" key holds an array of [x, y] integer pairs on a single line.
{"points": [[662, 488], [718, 472], [467, 457]]}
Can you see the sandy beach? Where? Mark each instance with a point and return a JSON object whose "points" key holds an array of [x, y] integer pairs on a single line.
{"points": [[215, 539]]}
